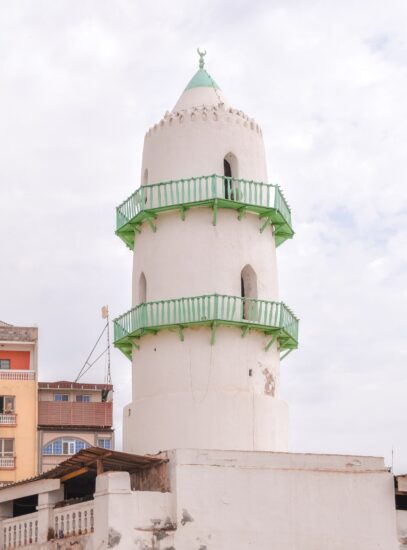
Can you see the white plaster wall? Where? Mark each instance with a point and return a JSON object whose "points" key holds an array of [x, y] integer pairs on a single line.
{"points": [[114, 514], [283, 502], [192, 143], [194, 257], [192, 394], [402, 527], [200, 96], [153, 519]]}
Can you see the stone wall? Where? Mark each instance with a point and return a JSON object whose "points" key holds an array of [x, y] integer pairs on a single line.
{"points": [[9, 333]]}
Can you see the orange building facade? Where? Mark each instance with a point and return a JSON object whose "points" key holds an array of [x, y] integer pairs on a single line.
{"points": [[18, 402]]}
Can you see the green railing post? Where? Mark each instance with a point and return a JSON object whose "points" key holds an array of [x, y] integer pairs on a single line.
{"points": [[280, 313], [213, 186]]}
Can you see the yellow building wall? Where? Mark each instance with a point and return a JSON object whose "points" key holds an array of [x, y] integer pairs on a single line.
{"points": [[25, 431]]}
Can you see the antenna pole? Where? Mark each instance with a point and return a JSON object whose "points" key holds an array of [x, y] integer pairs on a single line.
{"points": [[87, 365], [108, 374]]}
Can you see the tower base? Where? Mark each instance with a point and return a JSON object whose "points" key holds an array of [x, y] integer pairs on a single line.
{"points": [[208, 421]]}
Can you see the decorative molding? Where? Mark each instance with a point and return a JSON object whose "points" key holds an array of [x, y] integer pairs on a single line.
{"points": [[205, 113]]}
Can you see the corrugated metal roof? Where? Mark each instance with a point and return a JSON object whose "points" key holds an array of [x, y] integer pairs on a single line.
{"points": [[112, 461]]}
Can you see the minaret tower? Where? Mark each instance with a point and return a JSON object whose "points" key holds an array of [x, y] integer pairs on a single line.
{"points": [[206, 332]]}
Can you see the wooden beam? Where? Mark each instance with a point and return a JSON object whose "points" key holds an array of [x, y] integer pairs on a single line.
{"points": [[73, 474], [215, 210], [268, 346], [265, 224], [242, 212], [149, 219], [285, 354], [99, 466]]}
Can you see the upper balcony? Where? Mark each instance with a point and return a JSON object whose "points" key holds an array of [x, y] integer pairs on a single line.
{"points": [[273, 318], [72, 413], [265, 200], [17, 375]]}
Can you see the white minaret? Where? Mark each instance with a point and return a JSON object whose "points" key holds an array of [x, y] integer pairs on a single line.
{"points": [[206, 332]]}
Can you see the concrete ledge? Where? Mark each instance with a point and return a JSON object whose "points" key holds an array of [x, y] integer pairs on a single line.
{"points": [[279, 461]]}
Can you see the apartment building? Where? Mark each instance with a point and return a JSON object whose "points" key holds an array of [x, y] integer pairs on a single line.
{"points": [[71, 417], [18, 402]]}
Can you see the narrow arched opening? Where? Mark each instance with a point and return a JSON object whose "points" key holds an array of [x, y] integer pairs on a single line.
{"points": [[230, 173], [142, 289], [248, 283], [145, 182], [145, 177]]}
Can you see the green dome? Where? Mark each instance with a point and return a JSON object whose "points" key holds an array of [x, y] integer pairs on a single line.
{"points": [[202, 79]]}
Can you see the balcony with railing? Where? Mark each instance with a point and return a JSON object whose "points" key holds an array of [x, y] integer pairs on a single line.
{"points": [[17, 375], [8, 419], [273, 318], [73, 413], [20, 531], [92, 495], [265, 200], [73, 520], [7, 462]]}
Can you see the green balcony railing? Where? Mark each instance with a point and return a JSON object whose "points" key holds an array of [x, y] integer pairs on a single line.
{"points": [[273, 318], [214, 191]]}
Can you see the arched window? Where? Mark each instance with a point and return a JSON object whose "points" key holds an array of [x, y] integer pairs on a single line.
{"points": [[142, 289], [145, 177], [65, 446], [230, 172], [248, 282], [145, 182]]}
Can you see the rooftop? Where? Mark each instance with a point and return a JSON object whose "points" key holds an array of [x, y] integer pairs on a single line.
{"points": [[11, 333], [93, 460], [65, 385]]}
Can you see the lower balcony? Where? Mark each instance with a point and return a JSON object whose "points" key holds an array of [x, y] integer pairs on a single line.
{"points": [[7, 462], [68, 522], [273, 318], [265, 200], [8, 419], [20, 531]]}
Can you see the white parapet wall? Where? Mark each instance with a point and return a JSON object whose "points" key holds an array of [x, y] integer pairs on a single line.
{"points": [[286, 501], [224, 500], [402, 528]]}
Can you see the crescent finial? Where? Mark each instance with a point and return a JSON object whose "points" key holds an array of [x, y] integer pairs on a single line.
{"points": [[201, 58]]}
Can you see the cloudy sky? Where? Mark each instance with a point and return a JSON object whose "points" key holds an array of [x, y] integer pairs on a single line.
{"points": [[80, 83]]}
